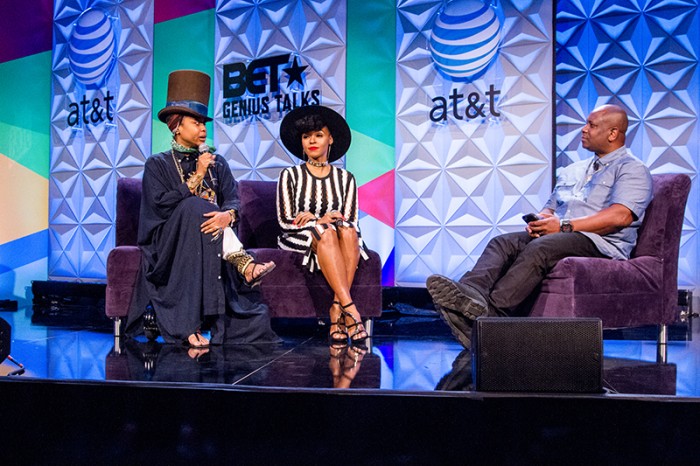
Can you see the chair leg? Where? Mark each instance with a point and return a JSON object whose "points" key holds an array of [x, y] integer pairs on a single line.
{"points": [[117, 335], [662, 336], [369, 328], [662, 345], [369, 325], [117, 327]]}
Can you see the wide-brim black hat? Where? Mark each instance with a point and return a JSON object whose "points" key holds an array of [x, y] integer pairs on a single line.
{"points": [[188, 94], [337, 126]]}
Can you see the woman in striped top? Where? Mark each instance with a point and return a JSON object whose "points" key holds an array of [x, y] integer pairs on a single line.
{"points": [[317, 210]]}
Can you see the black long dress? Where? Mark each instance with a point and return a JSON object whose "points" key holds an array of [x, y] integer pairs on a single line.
{"points": [[182, 274]]}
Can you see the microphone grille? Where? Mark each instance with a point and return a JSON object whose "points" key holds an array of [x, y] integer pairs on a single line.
{"points": [[203, 148]]}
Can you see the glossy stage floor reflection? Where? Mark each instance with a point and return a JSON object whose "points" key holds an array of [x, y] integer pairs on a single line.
{"points": [[408, 354]]}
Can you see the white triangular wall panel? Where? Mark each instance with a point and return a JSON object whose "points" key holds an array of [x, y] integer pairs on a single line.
{"points": [[87, 159]]}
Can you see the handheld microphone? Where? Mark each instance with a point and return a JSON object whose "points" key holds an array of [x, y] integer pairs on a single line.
{"points": [[203, 148]]}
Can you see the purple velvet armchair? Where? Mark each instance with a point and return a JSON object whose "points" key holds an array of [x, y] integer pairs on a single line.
{"points": [[633, 293], [289, 291]]}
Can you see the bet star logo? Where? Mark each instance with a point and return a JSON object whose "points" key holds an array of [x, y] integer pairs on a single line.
{"points": [[261, 76], [295, 73]]}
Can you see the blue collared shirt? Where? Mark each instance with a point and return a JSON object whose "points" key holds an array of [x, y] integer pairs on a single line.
{"points": [[581, 190]]}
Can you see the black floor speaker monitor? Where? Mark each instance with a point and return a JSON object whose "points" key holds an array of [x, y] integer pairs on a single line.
{"points": [[537, 355]]}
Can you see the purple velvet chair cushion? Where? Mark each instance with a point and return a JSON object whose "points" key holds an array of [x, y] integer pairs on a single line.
{"points": [[295, 292], [639, 291]]}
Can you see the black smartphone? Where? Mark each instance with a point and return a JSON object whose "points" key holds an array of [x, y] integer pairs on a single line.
{"points": [[530, 217]]}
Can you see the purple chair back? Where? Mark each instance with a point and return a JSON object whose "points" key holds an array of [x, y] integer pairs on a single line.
{"points": [[128, 211], [258, 227], [660, 233]]}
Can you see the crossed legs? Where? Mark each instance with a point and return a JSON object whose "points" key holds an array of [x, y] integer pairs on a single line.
{"points": [[338, 255]]}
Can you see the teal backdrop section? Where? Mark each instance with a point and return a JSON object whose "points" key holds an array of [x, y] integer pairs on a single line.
{"points": [[371, 114]]}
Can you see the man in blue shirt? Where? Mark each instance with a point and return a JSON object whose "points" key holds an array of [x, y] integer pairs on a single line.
{"points": [[595, 211]]}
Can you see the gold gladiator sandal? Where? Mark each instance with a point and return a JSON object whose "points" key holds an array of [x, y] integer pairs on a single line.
{"points": [[241, 260]]}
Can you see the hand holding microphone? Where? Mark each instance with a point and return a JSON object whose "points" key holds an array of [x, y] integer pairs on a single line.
{"points": [[204, 149]]}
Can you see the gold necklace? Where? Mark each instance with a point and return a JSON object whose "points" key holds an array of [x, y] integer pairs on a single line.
{"points": [[314, 163], [178, 166]]}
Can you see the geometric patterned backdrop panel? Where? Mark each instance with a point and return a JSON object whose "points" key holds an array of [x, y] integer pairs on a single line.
{"points": [[643, 56], [270, 58], [100, 125], [472, 154]]}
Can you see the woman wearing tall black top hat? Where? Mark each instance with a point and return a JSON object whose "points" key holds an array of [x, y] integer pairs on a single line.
{"points": [[317, 210], [194, 269]]}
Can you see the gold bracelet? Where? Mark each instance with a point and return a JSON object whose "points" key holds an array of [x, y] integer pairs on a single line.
{"points": [[232, 213]]}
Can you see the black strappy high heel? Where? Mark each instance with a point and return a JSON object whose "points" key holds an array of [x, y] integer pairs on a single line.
{"points": [[339, 335], [358, 326]]}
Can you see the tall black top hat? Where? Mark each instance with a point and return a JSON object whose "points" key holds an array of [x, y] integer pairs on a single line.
{"points": [[188, 94], [296, 122]]}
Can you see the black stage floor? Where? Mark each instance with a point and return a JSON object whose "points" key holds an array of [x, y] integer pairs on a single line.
{"points": [[408, 398]]}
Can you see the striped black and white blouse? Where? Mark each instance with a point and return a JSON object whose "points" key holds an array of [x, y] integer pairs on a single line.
{"points": [[300, 191]]}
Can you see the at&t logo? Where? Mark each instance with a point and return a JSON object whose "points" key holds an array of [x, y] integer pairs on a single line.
{"points": [[465, 38], [91, 54], [464, 42]]}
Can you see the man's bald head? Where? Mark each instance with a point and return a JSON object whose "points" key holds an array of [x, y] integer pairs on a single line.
{"points": [[605, 129]]}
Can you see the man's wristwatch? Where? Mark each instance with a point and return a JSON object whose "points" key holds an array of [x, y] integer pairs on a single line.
{"points": [[565, 226]]}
